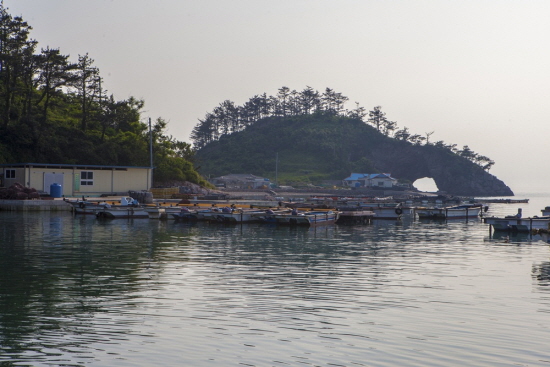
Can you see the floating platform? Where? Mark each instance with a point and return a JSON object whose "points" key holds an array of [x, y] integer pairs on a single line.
{"points": [[503, 201], [35, 205], [355, 217]]}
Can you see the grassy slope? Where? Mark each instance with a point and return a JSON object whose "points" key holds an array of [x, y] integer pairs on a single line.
{"points": [[309, 148]]}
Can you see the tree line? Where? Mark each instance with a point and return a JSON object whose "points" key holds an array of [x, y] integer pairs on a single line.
{"points": [[228, 118], [57, 110]]}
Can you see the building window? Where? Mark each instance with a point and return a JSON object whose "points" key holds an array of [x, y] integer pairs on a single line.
{"points": [[10, 173], [86, 178]]}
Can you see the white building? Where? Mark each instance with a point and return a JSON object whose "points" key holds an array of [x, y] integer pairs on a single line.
{"points": [[370, 180]]}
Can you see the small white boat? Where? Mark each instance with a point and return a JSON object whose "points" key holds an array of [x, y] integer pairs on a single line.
{"points": [[86, 207], [93, 207], [120, 212], [452, 212]]}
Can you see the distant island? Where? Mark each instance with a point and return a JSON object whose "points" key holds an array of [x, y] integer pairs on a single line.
{"points": [[309, 137]]}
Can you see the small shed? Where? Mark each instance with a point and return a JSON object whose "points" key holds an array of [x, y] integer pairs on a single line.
{"points": [[76, 180]]}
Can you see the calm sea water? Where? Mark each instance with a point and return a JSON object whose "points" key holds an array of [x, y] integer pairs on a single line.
{"points": [[76, 291]]}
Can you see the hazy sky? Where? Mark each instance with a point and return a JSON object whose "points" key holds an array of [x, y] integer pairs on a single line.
{"points": [[476, 73]]}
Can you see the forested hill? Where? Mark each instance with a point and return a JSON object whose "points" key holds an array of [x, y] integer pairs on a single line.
{"points": [[57, 110], [326, 146]]}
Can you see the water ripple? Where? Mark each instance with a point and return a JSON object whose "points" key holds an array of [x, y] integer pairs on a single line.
{"points": [[76, 291]]}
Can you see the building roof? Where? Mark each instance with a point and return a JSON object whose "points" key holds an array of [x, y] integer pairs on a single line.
{"points": [[75, 166], [368, 176], [241, 177], [355, 177]]}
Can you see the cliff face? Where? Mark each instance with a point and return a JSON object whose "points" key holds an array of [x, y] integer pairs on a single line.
{"points": [[450, 172], [316, 148]]}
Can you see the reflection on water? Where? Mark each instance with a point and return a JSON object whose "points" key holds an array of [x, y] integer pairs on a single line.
{"points": [[518, 237], [59, 276], [542, 273], [76, 291]]}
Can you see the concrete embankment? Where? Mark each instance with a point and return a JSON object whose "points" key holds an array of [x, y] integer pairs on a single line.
{"points": [[34, 205]]}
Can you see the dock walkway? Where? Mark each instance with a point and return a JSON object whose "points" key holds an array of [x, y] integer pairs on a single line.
{"points": [[35, 205]]}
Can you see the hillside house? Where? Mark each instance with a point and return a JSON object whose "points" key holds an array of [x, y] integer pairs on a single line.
{"points": [[370, 180], [241, 181]]}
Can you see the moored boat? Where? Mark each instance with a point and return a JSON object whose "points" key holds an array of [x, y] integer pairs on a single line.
{"points": [[308, 218], [155, 212], [268, 215], [452, 212], [94, 206], [389, 211], [185, 214], [516, 223], [87, 207], [116, 213], [233, 215]]}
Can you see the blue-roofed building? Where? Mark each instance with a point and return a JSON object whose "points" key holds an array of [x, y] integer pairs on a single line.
{"points": [[370, 180]]}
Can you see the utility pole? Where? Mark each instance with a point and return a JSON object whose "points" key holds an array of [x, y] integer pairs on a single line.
{"points": [[276, 168], [151, 152]]}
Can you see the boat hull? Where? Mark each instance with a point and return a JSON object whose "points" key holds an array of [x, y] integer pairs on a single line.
{"points": [[386, 212], [185, 217], [156, 212], [235, 216], [120, 213], [91, 207], [87, 209], [448, 213], [307, 218]]}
